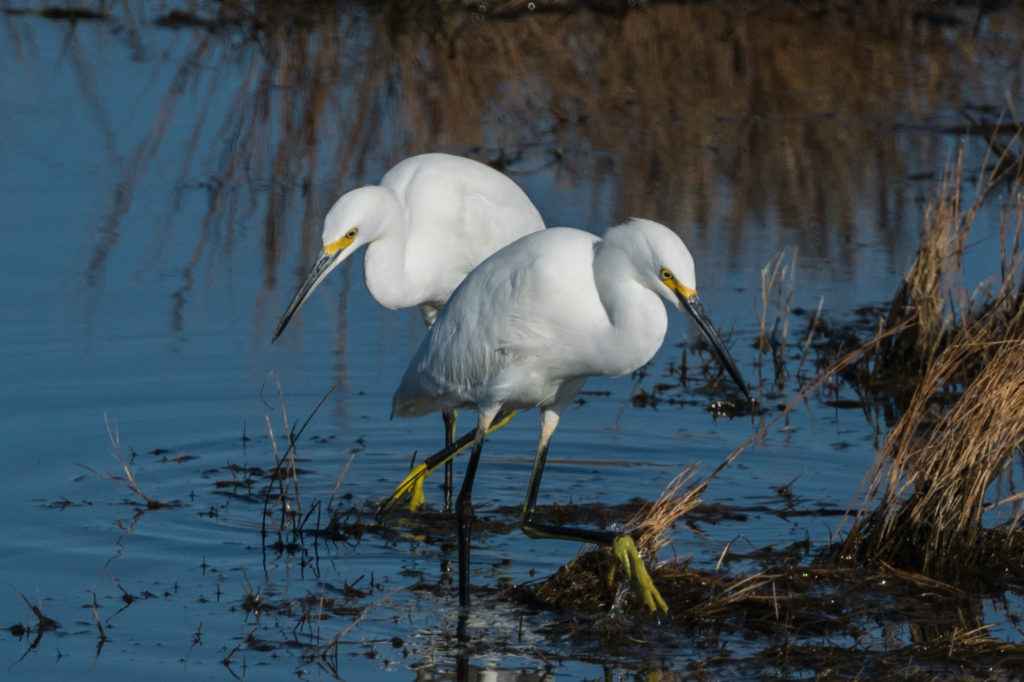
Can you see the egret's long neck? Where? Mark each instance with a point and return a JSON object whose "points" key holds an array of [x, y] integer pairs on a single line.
{"points": [[384, 266], [636, 314]]}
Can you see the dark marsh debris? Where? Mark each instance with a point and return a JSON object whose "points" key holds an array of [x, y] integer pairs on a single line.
{"points": [[61, 13], [799, 617]]}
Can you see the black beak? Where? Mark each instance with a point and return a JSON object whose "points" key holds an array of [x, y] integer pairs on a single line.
{"points": [[323, 265], [692, 305]]}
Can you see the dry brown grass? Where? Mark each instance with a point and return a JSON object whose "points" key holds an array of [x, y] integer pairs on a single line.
{"points": [[933, 300], [924, 501], [129, 481], [933, 477], [650, 525]]}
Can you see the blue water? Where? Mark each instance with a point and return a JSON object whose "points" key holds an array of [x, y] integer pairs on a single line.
{"points": [[150, 247]]}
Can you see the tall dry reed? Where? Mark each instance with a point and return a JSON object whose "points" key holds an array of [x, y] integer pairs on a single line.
{"points": [[924, 501], [933, 478]]}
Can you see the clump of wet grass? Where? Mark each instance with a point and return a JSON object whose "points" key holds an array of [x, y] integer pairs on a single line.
{"points": [[932, 482], [935, 480], [804, 617], [588, 582]]}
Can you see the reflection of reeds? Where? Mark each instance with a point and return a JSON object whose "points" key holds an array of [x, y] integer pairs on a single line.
{"points": [[963, 426], [713, 116]]}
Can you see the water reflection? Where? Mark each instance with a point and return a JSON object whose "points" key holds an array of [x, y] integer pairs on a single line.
{"points": [[725, 120]]}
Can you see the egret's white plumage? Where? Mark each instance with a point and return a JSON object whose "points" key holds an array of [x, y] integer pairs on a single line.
{"points": [[534, 321], [531, 323], [431, 220]]}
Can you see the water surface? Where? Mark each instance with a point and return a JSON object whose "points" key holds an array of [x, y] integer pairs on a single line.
{"points": [[163, 189]]}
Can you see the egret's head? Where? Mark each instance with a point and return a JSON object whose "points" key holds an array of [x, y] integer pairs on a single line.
{"points": [[666, 263], [657, 257], [356, 219]]}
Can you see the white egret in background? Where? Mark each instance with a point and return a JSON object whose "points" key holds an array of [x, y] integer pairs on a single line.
{"points": [[527, 328], [429, 222]]}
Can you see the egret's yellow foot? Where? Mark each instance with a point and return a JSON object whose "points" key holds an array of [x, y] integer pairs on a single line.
{"points": [[412, 484], [417, 476], [625, 551], [417, 500]]}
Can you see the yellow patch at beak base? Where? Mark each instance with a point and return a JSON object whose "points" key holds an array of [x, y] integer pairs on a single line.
{"points": [[338, 245], [672, 283], [685, 291]]}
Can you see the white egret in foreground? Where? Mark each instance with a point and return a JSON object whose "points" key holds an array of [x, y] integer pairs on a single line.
{"points": [[431, 220], [527, 328]]}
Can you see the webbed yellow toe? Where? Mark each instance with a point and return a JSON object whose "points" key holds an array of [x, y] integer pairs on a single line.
{"points": [[628, 557], [412, 485], [417, 500]]}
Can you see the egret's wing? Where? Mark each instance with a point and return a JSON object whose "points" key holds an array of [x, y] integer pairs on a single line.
{"points": [[503, 327], [459, 212]]}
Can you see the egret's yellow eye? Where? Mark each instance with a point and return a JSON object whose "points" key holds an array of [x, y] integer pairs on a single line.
{"points": [[343, 243], [666, 275]]}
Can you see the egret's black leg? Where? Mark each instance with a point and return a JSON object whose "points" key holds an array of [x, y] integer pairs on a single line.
{"points": [[622, 545], [464, 507], [449, 439], [413, 482], [528, 522], [463, 519]]}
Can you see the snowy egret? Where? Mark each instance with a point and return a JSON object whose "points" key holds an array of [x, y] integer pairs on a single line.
{"points": [[431, 220], [527, 328]]}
